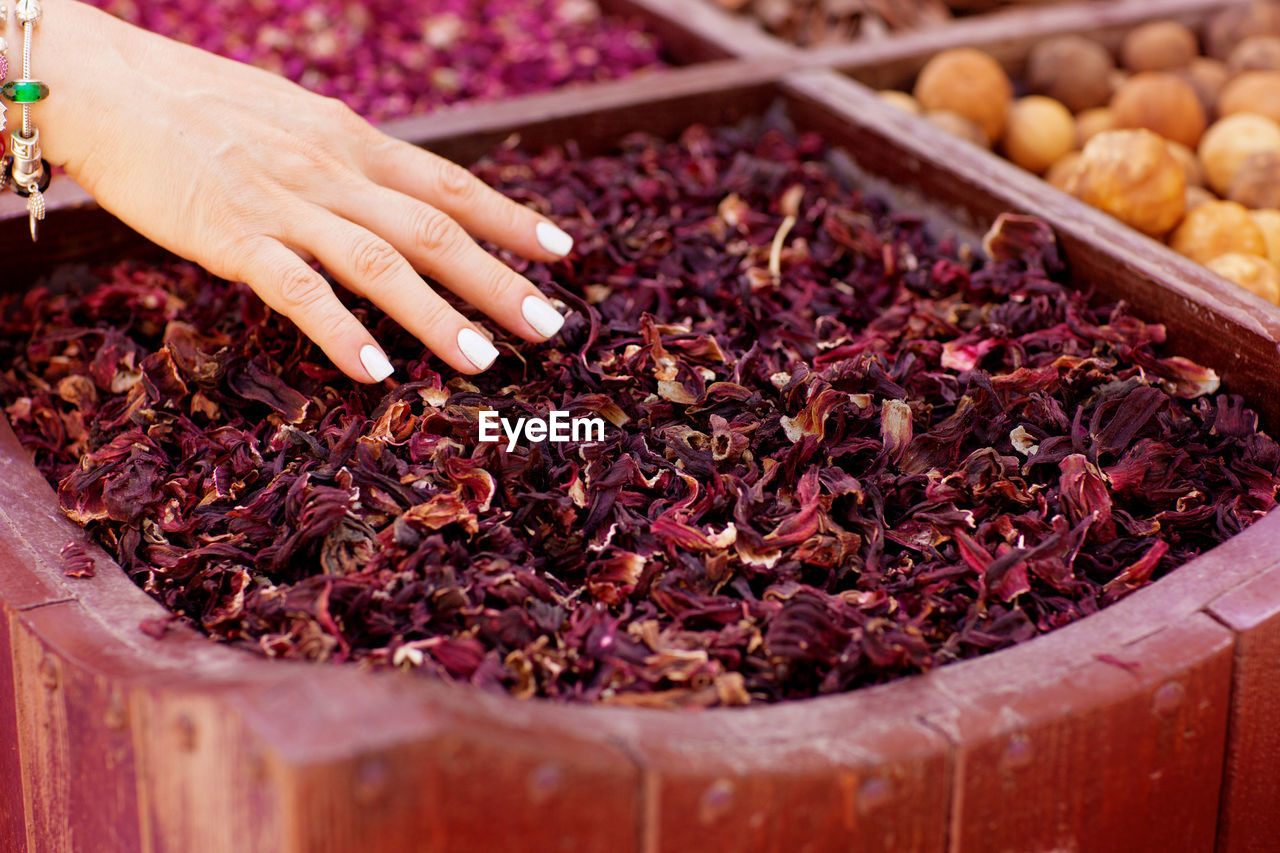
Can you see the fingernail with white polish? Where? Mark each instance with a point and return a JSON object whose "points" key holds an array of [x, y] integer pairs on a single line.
{"points": [[554, 240], [545, 320], [375, 362], [476, 348]]}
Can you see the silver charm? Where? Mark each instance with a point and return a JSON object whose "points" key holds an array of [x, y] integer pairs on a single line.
{"points": [[35, 209], [27, 172], [25, 149], [29, 11]]}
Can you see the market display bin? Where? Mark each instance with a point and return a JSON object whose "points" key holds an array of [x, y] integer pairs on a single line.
{"points": [[1142, 727]]}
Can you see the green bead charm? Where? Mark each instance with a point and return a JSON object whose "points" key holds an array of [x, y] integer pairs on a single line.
{"points": [[24, 91]]}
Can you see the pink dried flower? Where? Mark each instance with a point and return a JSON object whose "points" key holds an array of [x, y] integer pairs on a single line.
{"points": [[390, 58]]}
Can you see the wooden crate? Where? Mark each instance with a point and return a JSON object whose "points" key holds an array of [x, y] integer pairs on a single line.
{"points": [[1146, 726]]}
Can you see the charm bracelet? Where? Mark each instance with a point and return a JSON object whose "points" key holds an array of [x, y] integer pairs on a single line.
{"points": [[24, 169]]}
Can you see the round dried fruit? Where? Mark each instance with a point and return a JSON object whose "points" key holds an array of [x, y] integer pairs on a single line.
{"points": [[1159, 46], [1255, 274], [969, 83], [1252, 92], [1071, 69], [901, 100], [1256, 53], [957, 125], [1039, 132], [1231, 141], [1197, 196], [1257, 181], [1232, 25], [1161, 102], [1216, 228], [1059, 174], [1207, 76], [1092, 122], [1268, 221], [1131, 175], [1190, 162]]}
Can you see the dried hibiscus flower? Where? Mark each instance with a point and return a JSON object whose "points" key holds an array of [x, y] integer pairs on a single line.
{"points": [[392, 58], [838, 450]]}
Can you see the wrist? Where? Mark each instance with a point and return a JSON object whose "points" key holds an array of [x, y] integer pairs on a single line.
{"points": [[72, 54]]}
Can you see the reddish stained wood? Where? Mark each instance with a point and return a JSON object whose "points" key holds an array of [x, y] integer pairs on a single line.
{"points": [[202, 783], [13, 834], [499, 789], [1250, 821], [99, 747], [855, 773], [596, 118], [1096, 757], [434, 769], [43, 747]]}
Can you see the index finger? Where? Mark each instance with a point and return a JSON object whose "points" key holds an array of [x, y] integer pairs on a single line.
{"points": [[484, 212]]}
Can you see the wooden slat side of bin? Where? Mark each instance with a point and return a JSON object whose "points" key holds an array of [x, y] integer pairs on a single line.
{"points": [[864, 774], [455, 772], [268, 739], [1250, 821], [595, 118], [1009, 37], [13, 819], [1078, 762]]}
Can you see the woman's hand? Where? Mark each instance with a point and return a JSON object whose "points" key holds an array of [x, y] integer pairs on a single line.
{"points": [[248, 174]]}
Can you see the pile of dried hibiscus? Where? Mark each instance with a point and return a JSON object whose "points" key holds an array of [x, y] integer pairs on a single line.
{"points": [[392, 58], [839, 451]]}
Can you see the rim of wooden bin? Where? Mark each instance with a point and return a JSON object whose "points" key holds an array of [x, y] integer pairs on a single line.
{"points": [[1070, 736]]}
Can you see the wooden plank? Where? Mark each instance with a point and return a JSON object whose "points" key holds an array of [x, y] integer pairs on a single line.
{"points": [[598, 117], [43, 747], [1250, 818], [13, 834], [1118, 754], [100, 748], [857, 773], [377, 769], [203, 783]]}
